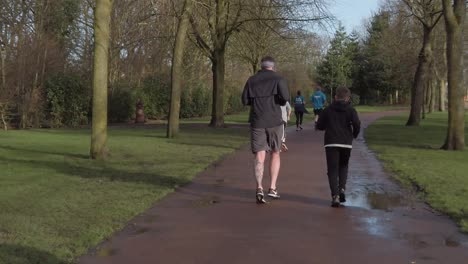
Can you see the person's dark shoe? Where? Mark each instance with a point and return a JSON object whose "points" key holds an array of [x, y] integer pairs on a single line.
{"points": [[342, 196], [260, 196], [335, 201], [273, 193], [300, 127]]}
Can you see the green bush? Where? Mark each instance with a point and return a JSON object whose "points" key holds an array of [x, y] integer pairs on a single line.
{"points": [[201, 101], [232, 101], [186, 104], [195, 102], [155, 95], [234, 104], [122, 101], [68, 100]]}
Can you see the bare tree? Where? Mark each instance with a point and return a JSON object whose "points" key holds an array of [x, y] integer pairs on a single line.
{"points": [[177, 71], [214, 22], [102, 19], [428, 12], [454, 15]]}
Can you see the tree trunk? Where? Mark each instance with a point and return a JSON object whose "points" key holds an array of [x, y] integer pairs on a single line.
{"points": [[3, 112], [432, 101], [177, 71], [423, 106], [3, 55], [218, 68], [442, 95], [417, 91], [100, 78], [454, 21]]}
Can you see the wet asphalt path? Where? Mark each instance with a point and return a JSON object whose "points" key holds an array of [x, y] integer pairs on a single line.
{"points": [[215, 219]]}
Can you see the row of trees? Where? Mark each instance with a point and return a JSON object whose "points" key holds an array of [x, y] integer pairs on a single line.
{"points": [[405, 52], [51, 47]]}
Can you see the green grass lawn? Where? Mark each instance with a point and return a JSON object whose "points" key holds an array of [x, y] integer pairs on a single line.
{"points": [[413, 154], [55, 203], [372, 109], [242, 118]]}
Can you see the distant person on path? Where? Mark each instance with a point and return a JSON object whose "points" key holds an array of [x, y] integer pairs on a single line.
{"points": [[341, 124], [286, 115], [299, 110], [318, 100], [265, 92]]}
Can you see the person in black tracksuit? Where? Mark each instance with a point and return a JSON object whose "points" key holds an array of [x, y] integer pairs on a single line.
{"points": [[341, 124]]}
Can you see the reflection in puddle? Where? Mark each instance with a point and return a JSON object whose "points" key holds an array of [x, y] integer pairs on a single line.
{"points": [[374, 226], [373, 200]]}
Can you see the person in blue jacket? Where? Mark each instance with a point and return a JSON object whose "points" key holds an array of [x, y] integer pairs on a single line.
{"points": [[318, 100]]}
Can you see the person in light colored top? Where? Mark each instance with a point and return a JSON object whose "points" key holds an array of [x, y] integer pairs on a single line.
{"points": [[286, 115]]}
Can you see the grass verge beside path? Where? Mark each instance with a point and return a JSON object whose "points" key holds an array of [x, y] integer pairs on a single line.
{"points": [[413, 154], [55, 203], [373, 109]]}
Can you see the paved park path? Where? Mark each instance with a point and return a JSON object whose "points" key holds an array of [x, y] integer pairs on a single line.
{"points": [[215, 219]]}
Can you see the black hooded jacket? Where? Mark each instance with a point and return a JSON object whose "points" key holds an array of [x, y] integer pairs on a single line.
{"points": [[340, 122], [265, 92]]}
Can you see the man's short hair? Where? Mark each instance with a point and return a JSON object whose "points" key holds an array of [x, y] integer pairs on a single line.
{"points": [[268, 62], [342, 93]]}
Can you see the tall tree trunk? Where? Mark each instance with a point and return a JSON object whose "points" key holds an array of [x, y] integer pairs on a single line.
{"points": [[100, 78], [177, 71], [219, 38], [420, 79], [423, 106], [427, 94], [442, 94], [218, 68], [432, 101], [3, 57], [454, 21]]}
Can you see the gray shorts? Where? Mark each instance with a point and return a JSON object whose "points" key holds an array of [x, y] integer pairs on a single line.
{"points": [[266, 139]]}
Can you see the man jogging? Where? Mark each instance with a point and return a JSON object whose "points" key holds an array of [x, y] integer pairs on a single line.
{"points": [[266, 92], [318, 100]]}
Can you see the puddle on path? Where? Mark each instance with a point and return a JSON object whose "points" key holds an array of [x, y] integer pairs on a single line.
{"points": [[451, 242], [106, 252], [416, 241], [141, 230], [378, 201], [150, 218], [375, 227], [206, 201]]}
